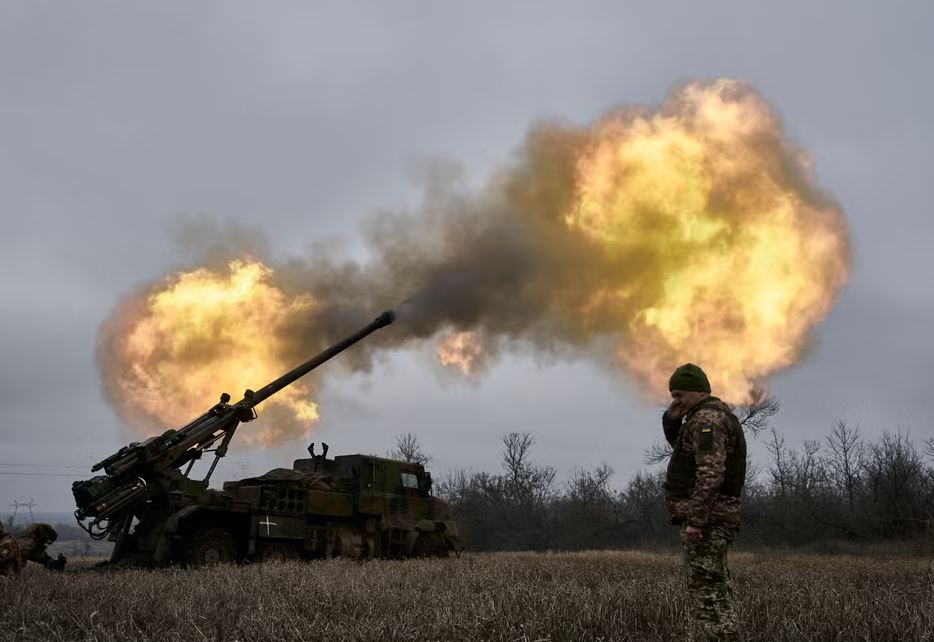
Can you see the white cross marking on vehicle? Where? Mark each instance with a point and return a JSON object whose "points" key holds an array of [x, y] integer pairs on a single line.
{"points": [[267, 524]]}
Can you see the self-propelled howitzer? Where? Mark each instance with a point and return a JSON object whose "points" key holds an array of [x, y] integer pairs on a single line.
{"points": [[146, 501]]}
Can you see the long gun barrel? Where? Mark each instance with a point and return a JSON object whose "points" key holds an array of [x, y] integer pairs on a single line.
{"points": [[298, 372], [143, 470]]}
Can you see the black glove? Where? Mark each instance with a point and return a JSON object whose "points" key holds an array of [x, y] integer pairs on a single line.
{"points": [[671, 427], [58, 564]]}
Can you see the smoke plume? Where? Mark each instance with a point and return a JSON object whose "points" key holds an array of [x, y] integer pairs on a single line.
{"points": [[691, 232]]}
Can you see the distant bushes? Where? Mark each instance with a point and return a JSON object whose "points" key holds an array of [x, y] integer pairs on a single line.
{"points": [[844, 488]]}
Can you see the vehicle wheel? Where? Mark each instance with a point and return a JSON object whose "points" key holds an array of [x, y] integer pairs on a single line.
{"points": [[430, 545], [278, 551], [209, 546]]}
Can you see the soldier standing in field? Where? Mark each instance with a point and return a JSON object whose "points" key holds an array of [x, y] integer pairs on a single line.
{"points": [[30, 546], [703, 487]]}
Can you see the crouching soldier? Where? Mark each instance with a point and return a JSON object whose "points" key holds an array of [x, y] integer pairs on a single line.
{"points": [[30, 546]]}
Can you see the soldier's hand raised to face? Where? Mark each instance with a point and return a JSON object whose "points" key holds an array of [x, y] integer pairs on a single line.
{"points": [[677, 409]]}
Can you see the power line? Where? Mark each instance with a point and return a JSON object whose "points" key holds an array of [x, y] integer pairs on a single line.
{"points": [[17, 504], [11, 463], [4, 472]]}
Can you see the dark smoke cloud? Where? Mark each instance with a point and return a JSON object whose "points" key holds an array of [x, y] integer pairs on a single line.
{"points": [[497, 263]]}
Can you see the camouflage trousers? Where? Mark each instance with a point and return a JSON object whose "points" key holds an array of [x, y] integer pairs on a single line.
{"points": [[710, 587]]}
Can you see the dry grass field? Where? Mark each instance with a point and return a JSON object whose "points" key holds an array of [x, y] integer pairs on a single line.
{"points": [[527, 596]]}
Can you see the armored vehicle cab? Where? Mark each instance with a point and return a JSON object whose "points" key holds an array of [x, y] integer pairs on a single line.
{"points": [[353, 505]]}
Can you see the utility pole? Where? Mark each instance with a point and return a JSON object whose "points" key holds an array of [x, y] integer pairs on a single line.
{"points": [[16, 505]]}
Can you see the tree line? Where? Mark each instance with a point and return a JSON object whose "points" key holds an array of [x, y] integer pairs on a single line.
{"points": [[844, 487]]}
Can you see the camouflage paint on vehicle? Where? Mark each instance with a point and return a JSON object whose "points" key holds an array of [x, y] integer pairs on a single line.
{"points": [[356, 505]]}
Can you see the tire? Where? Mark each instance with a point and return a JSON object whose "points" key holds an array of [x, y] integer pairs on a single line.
{"points": [[277, 551], [209, 546], [430, 545]]}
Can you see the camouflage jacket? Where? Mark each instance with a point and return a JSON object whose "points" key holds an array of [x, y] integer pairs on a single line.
{"points": [[16, 551], [707, 467]]}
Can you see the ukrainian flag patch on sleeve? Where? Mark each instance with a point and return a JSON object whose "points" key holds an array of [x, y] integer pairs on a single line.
{"points": [[705, 442]]}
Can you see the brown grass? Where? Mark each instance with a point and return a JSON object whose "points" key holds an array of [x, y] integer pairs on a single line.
{"points": [[582, 596]]}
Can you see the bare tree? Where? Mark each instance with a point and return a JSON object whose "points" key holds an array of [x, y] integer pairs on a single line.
{"points": [[809, 473], [409, 448], [657, 453], [780, 467], [529, 483], [845, 461], [929, 448], [590, 487], [755, 415], [642, 505], [516, 448], [895, 478]]}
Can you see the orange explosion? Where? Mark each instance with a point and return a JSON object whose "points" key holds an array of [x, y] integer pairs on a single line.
{"points": [[461, 351], [739, 254], [204, 332]]}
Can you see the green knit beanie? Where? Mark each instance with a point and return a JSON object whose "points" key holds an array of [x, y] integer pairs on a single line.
{"points": [[689, 377]]}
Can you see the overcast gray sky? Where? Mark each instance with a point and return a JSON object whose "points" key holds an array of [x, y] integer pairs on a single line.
{"points": [[306, 119]]}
